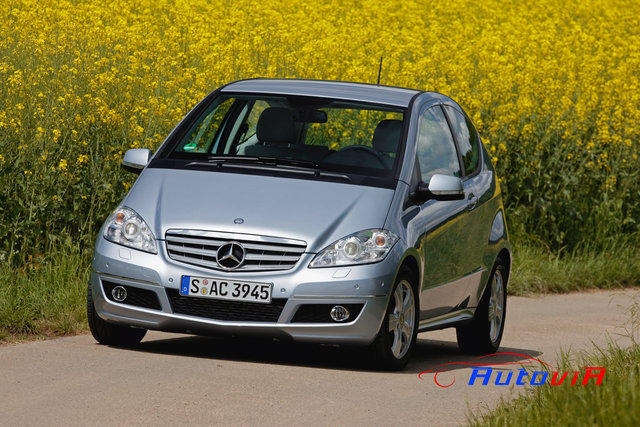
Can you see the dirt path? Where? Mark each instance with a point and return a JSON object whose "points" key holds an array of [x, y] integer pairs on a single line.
{"points": [[178, 379]]}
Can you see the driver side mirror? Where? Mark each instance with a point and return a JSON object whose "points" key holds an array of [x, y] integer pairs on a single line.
{"points": [[441, 187], [136, 159]]}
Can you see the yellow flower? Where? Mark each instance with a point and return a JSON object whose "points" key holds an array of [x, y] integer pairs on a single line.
{"points": [[82, 158], [529, 75]]}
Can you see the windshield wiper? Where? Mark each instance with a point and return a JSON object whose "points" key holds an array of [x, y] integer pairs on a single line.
{"points": [[275, 161], [306, 167], [266, 161], [219, 159], [291, 162]]}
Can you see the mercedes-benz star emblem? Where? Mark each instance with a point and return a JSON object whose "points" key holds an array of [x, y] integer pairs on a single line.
{"points": [[230, 255]]}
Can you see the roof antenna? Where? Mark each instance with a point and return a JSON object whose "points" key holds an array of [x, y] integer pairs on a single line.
{"points": [[379, 70]]}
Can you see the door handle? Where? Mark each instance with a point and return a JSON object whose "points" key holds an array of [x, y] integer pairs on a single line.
{"points": [[472, 201]]}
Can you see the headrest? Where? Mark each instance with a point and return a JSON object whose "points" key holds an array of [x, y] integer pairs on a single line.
{"points": [[387, 135], [276, 126]]}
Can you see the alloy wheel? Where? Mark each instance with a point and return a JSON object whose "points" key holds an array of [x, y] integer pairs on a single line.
{"points": [[402, 319], [496, 306]]}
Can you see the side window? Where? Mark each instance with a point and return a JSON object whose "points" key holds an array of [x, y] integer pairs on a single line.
{"points": [[436, 149], [467, 138], [202, 134]]}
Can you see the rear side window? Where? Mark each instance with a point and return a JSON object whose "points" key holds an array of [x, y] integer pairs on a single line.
{"points": [[436, 149], [467, 138]]}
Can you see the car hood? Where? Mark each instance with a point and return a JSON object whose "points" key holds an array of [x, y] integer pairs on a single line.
{"points": [[317, 212]]}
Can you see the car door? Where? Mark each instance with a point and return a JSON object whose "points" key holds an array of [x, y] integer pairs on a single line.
{"points": [[442, 223], [476, 186]]}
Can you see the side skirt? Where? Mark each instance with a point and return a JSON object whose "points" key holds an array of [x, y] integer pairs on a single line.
{"points": [[449, 320]]}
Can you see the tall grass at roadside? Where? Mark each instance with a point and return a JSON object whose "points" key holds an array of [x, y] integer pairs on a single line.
{"points": [[612, 264], [615, 402], [46, 296]]}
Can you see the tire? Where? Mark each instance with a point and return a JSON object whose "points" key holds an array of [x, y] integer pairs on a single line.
{"points": [[484, 333], [108, 333], [389, 353]]}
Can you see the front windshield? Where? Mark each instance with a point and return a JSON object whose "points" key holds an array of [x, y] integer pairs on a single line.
{"points": [[332, 135]]}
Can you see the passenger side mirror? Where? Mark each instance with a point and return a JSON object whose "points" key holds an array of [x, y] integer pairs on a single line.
{"points": [[136, 159], [441, 187]]}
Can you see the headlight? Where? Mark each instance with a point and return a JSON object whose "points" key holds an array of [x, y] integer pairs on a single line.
{"points": [[125, 227], [363, 247]]}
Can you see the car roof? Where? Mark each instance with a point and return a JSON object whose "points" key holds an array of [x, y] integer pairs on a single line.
{"points": [[362, 92]]}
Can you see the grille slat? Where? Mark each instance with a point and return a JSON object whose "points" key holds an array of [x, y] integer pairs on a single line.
{"points": [[276, 248], [199, 248], [197, 241], [183, 249], [252, 257], [231, 311], [196, 261]]}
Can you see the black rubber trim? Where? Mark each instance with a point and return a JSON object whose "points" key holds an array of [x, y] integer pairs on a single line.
{"points": [[319, 313], [135, 296], [232, 311]]}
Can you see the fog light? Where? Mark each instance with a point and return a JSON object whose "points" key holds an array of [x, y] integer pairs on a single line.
{"points": [[119, 293], [339, 313]]}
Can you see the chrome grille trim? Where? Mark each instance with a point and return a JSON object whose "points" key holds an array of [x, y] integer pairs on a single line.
{"points": [[263, 253]]}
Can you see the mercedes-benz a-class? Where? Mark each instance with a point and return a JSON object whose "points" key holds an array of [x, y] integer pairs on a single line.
{"points": [[318, 211]]}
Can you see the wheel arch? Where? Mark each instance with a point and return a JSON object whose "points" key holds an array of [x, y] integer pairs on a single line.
{"points": [[411, 262], [501, 255], [504, 256]]}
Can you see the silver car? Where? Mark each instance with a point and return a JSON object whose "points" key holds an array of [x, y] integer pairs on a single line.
{"points": [[318, 211]]}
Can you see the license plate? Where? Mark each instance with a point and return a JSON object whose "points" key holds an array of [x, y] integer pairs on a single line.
{"points": [[207, 287]]}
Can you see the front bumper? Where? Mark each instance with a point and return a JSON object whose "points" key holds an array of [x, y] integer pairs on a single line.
{"points": [[368, 285]]}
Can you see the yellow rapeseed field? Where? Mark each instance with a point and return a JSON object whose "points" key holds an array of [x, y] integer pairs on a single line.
{"points": [[553, 86]]}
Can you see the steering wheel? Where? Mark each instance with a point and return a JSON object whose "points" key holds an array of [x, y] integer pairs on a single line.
{"points": [[367, 150]]}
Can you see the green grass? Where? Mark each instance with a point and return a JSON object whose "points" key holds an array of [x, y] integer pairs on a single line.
{"points": [[537, 270], [44, 297], [616, 402]]}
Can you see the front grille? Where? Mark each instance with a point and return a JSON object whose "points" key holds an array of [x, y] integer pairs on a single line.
{"points": [[319, 313], [135, 296], [231, 311], [261, 252]]}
